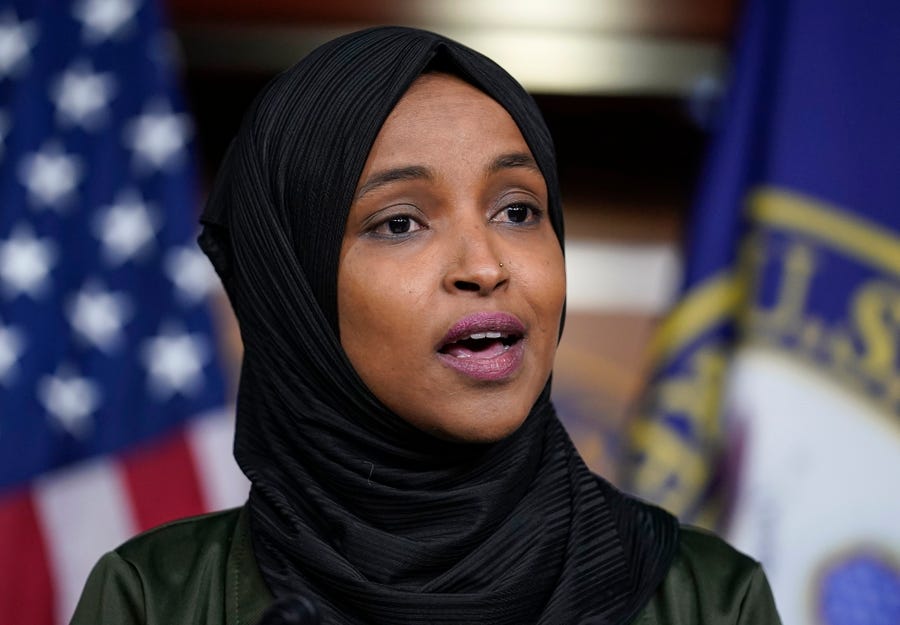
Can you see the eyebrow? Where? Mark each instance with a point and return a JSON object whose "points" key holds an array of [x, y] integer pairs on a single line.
{"points": [[513, 160], [379, 179], [417, 172]]}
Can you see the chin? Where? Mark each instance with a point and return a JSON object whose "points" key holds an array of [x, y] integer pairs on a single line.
{"points": [[486, 430]]}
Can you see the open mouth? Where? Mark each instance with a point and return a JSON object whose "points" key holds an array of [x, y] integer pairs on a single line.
{"points": [[485, 346], [481, 344]]}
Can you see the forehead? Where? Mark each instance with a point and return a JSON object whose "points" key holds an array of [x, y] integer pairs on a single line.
{"points": [[443, 113], [441, 97], [434, 87]]}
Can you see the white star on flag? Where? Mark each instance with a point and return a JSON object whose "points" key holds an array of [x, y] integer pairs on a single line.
{"points": [[70, 400], [127, 228], [82, 95], [158, 137], [174, 360], [104, 19], [191, 273], [25, 263], [98, 315], [11, 346], [16, 40], [50, 175]]}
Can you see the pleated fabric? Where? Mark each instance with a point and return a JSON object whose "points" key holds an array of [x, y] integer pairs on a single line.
{"points": [[351, 507]]}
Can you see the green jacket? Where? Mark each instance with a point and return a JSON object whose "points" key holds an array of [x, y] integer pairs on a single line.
{"points": [[202, 570]]}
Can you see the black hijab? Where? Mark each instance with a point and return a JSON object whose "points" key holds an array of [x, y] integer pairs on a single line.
{"points": [[350, 506]]}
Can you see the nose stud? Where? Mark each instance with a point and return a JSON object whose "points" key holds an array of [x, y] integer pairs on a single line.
{"points": [[501, 264]]}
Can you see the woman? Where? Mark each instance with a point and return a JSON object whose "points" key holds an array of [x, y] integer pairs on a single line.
{"points": [[388, 228]]}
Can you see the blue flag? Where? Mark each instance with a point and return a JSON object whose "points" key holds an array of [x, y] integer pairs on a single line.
{"points": [[774, 410]]}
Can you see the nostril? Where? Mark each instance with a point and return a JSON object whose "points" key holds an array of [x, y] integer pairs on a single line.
{"points": [[464, 285]]}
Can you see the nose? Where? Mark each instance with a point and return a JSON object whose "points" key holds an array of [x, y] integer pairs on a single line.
{"points": [[476, 264]]}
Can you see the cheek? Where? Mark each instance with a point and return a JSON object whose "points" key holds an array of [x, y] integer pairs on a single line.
{"points": [[547, 288], [358, 307], [376, 300]]}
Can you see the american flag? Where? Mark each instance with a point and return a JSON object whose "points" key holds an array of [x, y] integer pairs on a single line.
{"points": [[111, 395]]}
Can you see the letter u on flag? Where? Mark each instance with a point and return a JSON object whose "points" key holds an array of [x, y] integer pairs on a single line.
{"points": [[774, 411], [111, 395]]}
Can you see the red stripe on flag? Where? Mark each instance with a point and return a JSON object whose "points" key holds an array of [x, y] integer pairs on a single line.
{"points": [[26, 589], [163, 482]]}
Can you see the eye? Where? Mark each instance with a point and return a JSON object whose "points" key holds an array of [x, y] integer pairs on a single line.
{"points": [[396, 225], [518, 213]]}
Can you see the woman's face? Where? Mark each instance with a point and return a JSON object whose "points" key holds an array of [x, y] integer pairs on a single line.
{"points": [[451, 280]]}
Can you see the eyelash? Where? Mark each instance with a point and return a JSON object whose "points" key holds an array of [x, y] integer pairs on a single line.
{"points": [[383, 227], [533, 213]]}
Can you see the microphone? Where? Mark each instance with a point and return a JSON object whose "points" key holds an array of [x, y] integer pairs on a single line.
{"points": [[294, 610]]}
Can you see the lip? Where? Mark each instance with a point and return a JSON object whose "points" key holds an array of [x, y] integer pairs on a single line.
{"points": [[493, 368]]}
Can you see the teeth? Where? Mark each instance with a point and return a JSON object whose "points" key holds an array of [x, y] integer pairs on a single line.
{"points": [[486, 335]]}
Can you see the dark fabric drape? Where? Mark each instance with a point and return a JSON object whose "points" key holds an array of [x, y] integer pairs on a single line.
{"points": [[352, 507]]}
